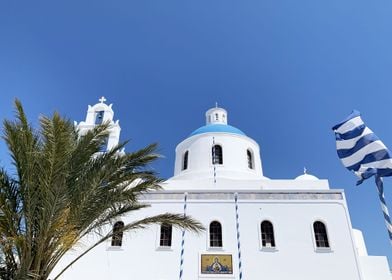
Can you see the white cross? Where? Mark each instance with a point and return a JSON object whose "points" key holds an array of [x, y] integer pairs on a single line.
{"points": [[216, 104], [102, 99], [305, 170]]}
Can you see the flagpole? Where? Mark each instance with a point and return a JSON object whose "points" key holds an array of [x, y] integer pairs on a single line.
{"points": [[387, 218]]}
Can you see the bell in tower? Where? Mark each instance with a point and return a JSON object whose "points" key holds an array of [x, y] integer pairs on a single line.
{"points": [[98, 114]]}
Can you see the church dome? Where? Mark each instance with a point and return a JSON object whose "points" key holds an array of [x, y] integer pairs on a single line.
{"points": [[218, 150]]}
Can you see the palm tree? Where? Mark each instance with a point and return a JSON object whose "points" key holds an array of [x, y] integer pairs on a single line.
{"points": [[61, 188]]}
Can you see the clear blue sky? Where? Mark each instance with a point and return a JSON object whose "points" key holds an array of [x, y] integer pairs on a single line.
{"points": [[286, 71]]}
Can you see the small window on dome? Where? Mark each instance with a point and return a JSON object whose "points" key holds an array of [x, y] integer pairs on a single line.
{"points": [[217, 155], [185, 161], [216, 117], [250, 159]]}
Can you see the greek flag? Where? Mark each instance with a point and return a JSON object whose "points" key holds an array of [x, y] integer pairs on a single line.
{"points": [[360, 150]]}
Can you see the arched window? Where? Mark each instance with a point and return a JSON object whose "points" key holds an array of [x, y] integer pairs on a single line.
{"points": [[99, 117], [320, 235], [117, 234], [217, 155], [267, 235], [166, 235], [185, 161], [215, 234], [250, 159]]}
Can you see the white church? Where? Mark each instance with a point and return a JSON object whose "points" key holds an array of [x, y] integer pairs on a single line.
{"points": [[256, 227]]}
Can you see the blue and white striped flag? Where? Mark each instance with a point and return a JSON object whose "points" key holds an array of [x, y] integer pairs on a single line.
{"points": [[361, 151]]}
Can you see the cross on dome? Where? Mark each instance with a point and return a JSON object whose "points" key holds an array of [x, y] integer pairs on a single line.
{"points": [[102, 99]]}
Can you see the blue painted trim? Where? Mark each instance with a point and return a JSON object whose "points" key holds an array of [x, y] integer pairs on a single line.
{"points": [[217, 128]]}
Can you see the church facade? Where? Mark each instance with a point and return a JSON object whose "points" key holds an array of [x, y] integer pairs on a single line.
{"points": [[256, 227]]}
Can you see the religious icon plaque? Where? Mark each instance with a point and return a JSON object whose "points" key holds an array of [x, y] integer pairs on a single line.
{"points": [[216, 264]]}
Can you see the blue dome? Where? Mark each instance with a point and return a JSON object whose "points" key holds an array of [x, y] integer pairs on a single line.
{"points": [[217, 128]]}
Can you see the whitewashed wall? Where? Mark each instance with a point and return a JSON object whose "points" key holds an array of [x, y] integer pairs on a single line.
{"points": [[295, 256]]}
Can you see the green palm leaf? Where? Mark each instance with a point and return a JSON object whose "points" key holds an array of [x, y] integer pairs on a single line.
{"points": [[63, 188]]}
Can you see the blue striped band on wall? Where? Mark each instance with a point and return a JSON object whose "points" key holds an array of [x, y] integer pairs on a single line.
{"points": [[238, 236], [213, 158], [183, 240]]}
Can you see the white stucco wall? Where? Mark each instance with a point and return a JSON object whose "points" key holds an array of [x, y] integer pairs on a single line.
{"points": [[360, 243], [295, 256], [375, 268]]}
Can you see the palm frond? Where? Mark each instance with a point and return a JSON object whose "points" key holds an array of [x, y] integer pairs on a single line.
{"points": [[64, 188]]}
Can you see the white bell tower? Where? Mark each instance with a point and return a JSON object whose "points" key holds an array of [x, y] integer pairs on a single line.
{"points": [[98, 114]]}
